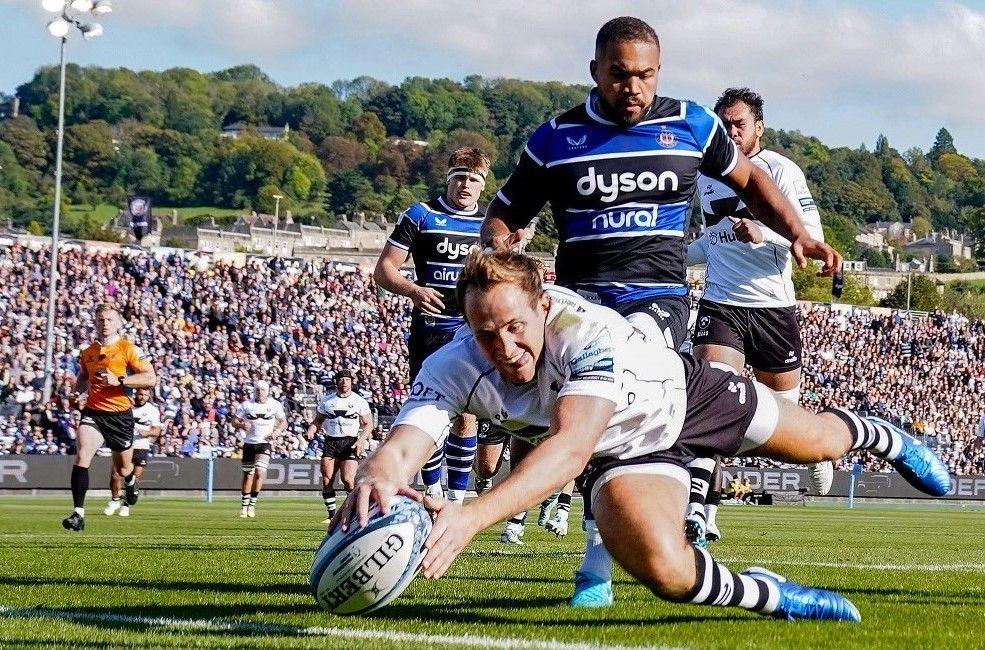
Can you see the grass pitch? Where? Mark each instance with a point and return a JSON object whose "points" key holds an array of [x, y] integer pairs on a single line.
{"points": [[187, 573]]}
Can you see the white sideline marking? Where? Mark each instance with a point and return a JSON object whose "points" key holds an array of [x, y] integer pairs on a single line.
{"points": [[213, 625], [930, 568]]}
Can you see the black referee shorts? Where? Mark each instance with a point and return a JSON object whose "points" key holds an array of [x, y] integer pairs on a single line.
{"points": [[115, 427]]}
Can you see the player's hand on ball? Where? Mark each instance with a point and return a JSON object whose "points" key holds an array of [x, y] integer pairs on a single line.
{"points": [[360, 448], [451, 532], [360, 500], [746, 230], [805, 248]]}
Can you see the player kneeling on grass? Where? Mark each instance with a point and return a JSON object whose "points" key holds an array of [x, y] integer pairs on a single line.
{"points": [[586, 387], [146, 427]]}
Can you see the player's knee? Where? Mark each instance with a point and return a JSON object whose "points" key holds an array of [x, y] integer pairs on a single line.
{"points": [[348, 485], [485, 467], [669, 569]]}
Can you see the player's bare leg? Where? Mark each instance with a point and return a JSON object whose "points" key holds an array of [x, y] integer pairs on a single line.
{"points": [[328, 486], [115, 490], [488, 460], [513, 531], [660, 557], [259, 474]]}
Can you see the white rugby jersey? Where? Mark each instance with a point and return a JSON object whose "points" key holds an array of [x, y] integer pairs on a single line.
{"points": [[588, 350], [342, 414], [262, 418], [144, 417], [751, 275]]}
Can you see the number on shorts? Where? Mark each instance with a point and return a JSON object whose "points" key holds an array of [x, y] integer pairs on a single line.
{"points": [[740, 388]]}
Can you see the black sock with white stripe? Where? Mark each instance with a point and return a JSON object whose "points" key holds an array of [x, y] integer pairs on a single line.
{"points": [[717, 586], [519, 519], [244, 499], [328, 497], [874, 437], [564, 503], [701, 473]]}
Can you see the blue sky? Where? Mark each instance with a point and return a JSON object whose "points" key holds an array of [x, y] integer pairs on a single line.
{"points": [[843, 71]]}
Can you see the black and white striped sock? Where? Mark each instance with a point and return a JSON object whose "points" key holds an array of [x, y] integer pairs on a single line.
{"points": [[874, 437], [564, 503], [719, 587], [701, 472]]}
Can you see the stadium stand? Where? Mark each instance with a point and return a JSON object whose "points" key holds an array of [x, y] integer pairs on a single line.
{"points": [[212, 328]]}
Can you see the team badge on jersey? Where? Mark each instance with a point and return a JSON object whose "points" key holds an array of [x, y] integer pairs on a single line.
{"points": [[667, 138]]}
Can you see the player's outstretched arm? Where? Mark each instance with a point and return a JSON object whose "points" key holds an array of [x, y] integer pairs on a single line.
{"points": [[761, 194], [578, 422], [384, 475]]}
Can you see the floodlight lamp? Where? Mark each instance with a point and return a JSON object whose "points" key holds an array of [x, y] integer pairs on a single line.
{"points": [[59, 27], [102, 7], [91, 30], [54, 6], [81, 5]]}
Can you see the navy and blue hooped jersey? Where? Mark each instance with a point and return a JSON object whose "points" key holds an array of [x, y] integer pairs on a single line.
{"points": [[621, 196], [439, 237]]}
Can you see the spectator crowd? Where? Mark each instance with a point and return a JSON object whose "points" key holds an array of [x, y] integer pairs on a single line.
{"points": [[213, 328]]}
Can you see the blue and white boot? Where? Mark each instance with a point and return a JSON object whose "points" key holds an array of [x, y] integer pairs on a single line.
{"points": [[917, 463], [695, 530], [798, 602], [591, 591]]}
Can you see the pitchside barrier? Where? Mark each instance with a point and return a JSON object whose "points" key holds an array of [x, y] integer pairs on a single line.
{"points": [[163, 473]]}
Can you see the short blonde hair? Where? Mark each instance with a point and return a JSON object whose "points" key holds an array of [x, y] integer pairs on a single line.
{"points": [[482, 271]]}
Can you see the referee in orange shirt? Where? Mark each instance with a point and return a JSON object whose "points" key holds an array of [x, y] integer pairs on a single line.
{"points": [[108, 368]]}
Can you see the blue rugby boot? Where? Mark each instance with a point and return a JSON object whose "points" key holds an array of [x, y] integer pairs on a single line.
{"points": [[798, 602], [917, 463], [591, 591]]}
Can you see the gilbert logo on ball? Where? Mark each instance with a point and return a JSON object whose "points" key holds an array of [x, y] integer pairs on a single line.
{"points": [[364, 569]]}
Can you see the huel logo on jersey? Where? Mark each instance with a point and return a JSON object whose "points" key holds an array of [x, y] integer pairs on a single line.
{"points": [[453, 250], [610, 186]]}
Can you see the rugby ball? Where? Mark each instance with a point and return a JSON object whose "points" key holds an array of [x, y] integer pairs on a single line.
{"points": [[363, 569]]}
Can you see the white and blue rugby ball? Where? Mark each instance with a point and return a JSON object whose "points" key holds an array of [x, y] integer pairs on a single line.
{"points": [[363, 569]]}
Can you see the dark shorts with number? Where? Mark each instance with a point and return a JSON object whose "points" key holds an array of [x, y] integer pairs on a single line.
{"points": [[721, 405], [670, 314], [424, 340], [339, 448], [253, 450], [490, 435], [769, 337], [116, 427], [140, 457]]}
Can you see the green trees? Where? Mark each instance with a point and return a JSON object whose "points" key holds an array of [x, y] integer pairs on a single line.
{"points": [[366, 144]]}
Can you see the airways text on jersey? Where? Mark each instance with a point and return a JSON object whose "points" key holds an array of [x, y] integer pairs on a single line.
{"points": [[439, 238]]}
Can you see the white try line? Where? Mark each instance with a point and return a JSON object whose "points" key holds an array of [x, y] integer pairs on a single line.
{"points": [[959, 567], [351, 634]]}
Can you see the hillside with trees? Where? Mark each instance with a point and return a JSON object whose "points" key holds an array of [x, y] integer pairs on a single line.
{"points": [[367, 145]]}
